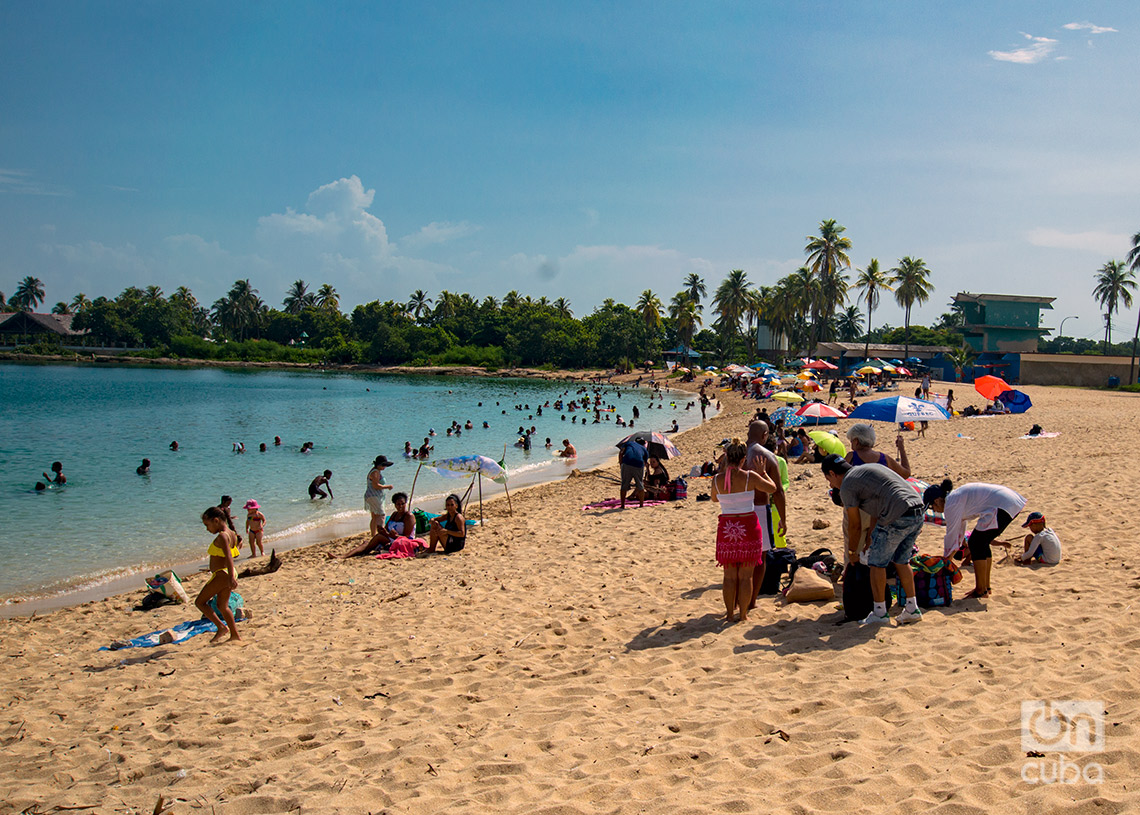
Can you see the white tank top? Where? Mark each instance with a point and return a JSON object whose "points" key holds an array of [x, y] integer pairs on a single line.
{"points": [[735, 503]]}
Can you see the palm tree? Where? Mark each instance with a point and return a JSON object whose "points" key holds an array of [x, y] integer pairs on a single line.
{"points": [[827, 256], [1114, 285], [562, 308], [240, 311], [849, 324], [298, 298], [182, 296], [1134, 266], [29, 294], [912, 285], [695, 288], [153, 294], [445, 305], [960, 358], [649, 307], [327, 298], [686, 319], [419, 304], [731, 301], [61, 308], [871, 281], [511, 299], [3, 303], [78, 303]]}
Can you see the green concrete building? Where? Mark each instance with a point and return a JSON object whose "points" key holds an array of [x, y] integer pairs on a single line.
{"points": [[1003, 323]]}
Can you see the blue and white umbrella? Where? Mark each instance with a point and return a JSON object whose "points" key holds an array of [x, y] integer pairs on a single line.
{"points": [[899, 409]]}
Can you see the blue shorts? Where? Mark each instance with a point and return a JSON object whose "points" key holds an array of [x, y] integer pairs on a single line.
{"points": [[894, 543]]}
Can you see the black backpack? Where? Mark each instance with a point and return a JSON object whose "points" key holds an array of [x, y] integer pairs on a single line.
{"points": [[777, 563], [857, 599]]}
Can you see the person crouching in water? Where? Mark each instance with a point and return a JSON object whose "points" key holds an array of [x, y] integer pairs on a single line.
{"points": [[223, 574], [896, 513], [739, 541]]}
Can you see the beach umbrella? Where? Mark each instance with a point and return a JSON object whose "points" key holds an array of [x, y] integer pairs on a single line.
{"points": [[869, 369], [810, 386], [827, 442], [990, 386], [904, 371], [805, 375], [1016, 401], [821, 365], [899, 409], [658, 443], [787, 396], [461, 466], [820, 410]]}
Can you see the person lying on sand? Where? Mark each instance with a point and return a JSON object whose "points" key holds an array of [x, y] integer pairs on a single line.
{"points": [[401, 523]]}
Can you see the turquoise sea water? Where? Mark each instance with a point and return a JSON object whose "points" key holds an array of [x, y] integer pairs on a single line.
{"points": [[100, 422]]}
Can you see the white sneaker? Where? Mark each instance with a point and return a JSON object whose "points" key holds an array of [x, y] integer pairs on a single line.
{"points": [[875, 618], [910, 616]]}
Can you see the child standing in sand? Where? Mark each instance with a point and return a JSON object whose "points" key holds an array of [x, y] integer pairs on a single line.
{"points": [[254, 527], [223, 575]]}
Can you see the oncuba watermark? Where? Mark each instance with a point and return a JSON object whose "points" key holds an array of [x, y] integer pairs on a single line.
{"points": [[1068, 728]]}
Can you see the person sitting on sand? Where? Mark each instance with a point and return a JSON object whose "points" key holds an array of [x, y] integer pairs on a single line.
{"points": [[450, 529], [676, 428], [315, 485], [656, 480], [254, 527], [568, 450], [993, 505], [896, 516], [997, 408], [1041, 544], [57, 476], [144, 468], [401, 523], [739, 541], [223, 575]]}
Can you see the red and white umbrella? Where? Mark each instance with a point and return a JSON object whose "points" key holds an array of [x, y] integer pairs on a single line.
{"points": [[820, 411], [821, 365]]}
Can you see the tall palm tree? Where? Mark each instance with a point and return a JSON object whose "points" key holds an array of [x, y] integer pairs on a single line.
{"points": [[240, 312], [327, 298], [849, 324], [686, 319], [731, 301], [871, 282], [1115, 283], [419, 304], [827, 256], [649, 307], [695, 288], [445, 304], [298, 298], [912, 285], [61, 308], [29, 294], [152, 294], [78, 303], [562, 308], [511, 299], [1134, 266]]}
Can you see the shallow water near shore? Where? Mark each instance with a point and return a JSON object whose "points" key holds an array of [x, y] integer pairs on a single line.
{"points": [[101, 422]]}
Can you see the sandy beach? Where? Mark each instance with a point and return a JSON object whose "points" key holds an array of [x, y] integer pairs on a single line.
{"points": [[574, 661]]}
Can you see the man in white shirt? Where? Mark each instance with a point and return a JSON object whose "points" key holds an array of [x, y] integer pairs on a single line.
{"points": [[993, 505], [1041, 543]]}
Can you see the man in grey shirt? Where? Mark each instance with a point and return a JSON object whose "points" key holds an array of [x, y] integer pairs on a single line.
{"points": [[762, 460], [896, 511]]}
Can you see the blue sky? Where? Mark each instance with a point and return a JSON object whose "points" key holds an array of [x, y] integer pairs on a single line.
{"points": [[580, 150]]}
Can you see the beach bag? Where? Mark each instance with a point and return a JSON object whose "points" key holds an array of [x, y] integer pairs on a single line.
{"points": [[857, 599], [236, 604], [169, 585], [807, 585], [777, 563], [932, 590], [423, 521], [678, 489]]}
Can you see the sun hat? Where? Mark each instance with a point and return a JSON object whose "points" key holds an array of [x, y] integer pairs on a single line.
{"points": [[381, 461], [1034, 517], [251, 504]]}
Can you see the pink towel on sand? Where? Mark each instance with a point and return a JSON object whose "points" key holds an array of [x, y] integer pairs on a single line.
{"points": [[401, 547]]}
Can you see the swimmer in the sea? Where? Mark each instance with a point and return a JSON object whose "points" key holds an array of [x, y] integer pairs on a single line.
{"points": [[321, 480], [57, 476]]}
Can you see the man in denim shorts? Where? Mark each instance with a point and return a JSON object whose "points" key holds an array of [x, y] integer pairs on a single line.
{"points": [[895, 511]]}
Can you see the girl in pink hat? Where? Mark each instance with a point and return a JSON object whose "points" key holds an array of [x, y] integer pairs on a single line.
{"points": [[254, 527]]}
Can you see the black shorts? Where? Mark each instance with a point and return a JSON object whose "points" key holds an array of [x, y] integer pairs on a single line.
{"points": [[453, 545], [980, 541]]}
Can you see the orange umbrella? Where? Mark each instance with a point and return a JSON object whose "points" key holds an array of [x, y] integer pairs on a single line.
{"points": [[991, 386]]}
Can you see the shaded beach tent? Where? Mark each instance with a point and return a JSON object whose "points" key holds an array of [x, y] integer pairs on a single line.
{"points": [[821, 411], [479, 467], [899, 409], [658, 443], [1016, 401], [990, 386], [788, 416], [828, 442]]}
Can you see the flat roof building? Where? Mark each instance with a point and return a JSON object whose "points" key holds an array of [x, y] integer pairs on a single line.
{"points": [[1002, 323]]}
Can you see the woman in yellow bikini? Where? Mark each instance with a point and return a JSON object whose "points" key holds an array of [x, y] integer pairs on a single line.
{"points": [[223, 574]]}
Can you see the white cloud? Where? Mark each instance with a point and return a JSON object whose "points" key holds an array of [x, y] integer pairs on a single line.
{"points": [[1089, 27], [439, 232], [1101, 243], [337, 221], [1038, 49], [22, 182]]}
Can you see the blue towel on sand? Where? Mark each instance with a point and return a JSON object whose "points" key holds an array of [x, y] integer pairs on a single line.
{"points": [[192, 628]]}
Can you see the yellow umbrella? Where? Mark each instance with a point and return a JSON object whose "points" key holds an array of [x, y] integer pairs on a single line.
{"points": [[869, 369], [787, 396], [827, 442], [805, 375]]}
